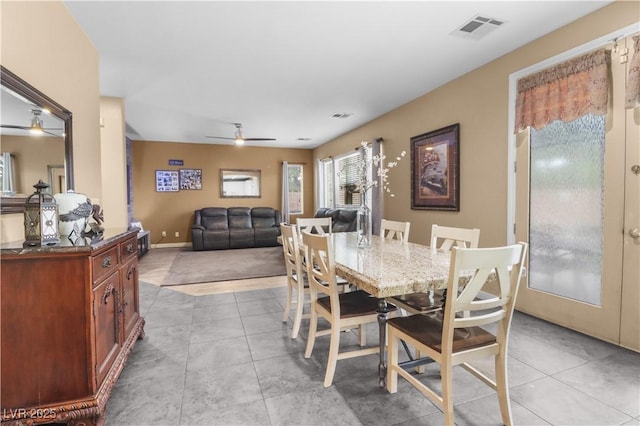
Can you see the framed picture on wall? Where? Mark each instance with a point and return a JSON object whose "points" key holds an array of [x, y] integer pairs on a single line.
{"points": [[190, 178], [435, 169], [167, 181]]}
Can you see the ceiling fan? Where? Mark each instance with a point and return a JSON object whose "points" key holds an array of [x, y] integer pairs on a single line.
{"points": [[36, 126], [239, 139]]}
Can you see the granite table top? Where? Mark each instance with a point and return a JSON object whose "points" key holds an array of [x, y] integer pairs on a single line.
{"points": [[390, 268]]}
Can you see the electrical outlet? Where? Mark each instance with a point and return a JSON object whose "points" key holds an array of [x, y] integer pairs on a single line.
{"points": [[164, 233], [177, 234]]}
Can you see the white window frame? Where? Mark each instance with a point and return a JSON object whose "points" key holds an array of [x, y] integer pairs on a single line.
{"points": [[301, 210]]}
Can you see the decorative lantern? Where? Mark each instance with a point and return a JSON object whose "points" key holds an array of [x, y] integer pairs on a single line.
{"points": [[41, 218]]}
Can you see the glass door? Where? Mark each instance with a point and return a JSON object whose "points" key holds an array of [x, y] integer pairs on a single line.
{"points": [[574, 195]]}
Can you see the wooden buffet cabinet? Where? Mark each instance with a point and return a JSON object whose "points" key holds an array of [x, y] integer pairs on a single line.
{"points": [[70, 316]]}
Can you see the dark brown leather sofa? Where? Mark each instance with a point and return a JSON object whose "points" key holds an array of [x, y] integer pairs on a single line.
{"points": [[217, 228]]}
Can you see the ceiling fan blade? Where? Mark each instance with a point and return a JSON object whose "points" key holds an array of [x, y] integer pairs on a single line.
{"points": [[11, 126], [220, 137], [259, 139]]}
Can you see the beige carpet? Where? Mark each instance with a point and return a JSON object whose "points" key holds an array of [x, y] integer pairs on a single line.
{"points": [[190, 267]]}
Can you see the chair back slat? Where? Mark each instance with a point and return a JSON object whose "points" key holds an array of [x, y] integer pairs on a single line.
{"points": [[479, 320], [320, 262], [446, 237], [291, 249], [489, 264], [315, 225], [390, 229]]}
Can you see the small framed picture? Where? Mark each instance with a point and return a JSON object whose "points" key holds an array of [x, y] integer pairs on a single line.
{"points": [[190, 178], [435, 169], [167, 181]]}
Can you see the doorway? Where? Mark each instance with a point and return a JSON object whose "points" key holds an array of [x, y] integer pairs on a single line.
{"points": [[577, 203]]}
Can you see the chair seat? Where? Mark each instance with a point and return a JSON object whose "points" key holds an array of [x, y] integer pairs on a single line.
{"points": [[428, 330], [419, 302], [354, 303]]}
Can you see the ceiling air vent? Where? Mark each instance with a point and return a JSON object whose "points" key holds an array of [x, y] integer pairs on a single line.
{"points": [[478, 27], [341, 115]]}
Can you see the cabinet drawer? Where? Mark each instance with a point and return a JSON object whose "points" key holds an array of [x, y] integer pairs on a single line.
{"points": [[128, 249], [105, 264]]}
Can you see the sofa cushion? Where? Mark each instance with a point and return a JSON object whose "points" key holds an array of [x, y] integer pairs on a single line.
{"points": [[239, 217], [266, 237], [263, 217], [215, 239], [342, 220], [346, 221], [241, 237], [214, 218]]}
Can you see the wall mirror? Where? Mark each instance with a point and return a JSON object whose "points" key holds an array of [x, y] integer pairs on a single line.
{"points": [[239, 183], [36, 133]]}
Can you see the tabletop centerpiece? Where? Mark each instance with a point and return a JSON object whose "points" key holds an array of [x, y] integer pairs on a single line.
{"points": [[365, 184]]}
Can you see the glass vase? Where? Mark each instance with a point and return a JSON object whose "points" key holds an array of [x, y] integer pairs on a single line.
{"points": [[364, 225]]}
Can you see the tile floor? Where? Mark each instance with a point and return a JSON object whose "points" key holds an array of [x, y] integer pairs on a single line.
{"points": [[227, 359]]}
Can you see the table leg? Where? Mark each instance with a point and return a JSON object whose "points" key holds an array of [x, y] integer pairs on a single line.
{"points": [[383, 314]]}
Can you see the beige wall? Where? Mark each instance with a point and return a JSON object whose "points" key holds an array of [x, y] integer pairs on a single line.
{"points": [[31, 156], [114, 165], [66, 69], [479, 102], [173, 211]]}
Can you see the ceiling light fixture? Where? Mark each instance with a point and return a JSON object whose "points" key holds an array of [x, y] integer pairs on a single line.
{"points": [[239, 138], [36, 123]]}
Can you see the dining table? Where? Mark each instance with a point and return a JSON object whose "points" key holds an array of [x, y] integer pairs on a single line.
{"points": [[387, 268]]}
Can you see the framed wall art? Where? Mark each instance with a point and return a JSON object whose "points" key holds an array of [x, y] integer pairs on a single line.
{"points": [[190, 178], [435, 169], [167, 181]]}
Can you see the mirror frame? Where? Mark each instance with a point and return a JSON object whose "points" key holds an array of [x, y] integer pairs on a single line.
{"points": [[21, 87], [256, 173]]}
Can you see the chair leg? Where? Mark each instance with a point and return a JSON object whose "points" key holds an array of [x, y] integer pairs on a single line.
{"points": [[334, 346], [447, 397], [503, 389], [313, 326], [298, 316], [287, 307], [419, 369], [392, 363], [363, 335]]}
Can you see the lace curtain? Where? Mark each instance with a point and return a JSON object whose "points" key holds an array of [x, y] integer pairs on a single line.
{"points": [[564, 92], [632, 98]]}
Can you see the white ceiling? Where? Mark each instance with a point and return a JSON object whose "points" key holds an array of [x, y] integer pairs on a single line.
{"points": [[190, 69]]}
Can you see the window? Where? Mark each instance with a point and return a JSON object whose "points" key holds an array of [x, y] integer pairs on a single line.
{"points": [[325, 182], [348, 173], [294, 173], [6, 174]]}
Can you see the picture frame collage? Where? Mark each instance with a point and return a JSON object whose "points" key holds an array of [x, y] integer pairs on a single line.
{"points": [[177, 180]]}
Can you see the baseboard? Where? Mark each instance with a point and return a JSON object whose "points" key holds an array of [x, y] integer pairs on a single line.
{"points": [[167, 245]]}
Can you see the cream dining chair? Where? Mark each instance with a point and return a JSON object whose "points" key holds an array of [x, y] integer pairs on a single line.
{"points": [[315, 225], [451, 339], [390, 229], [444, 238], [297, 285], [343, 311]]}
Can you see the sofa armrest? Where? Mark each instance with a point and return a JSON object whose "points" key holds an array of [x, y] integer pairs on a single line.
{"points": [[197, 237]]}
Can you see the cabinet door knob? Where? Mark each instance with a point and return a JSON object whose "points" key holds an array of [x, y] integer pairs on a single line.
{"points": [[634, 233], [130, 248], [106, 262]]}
